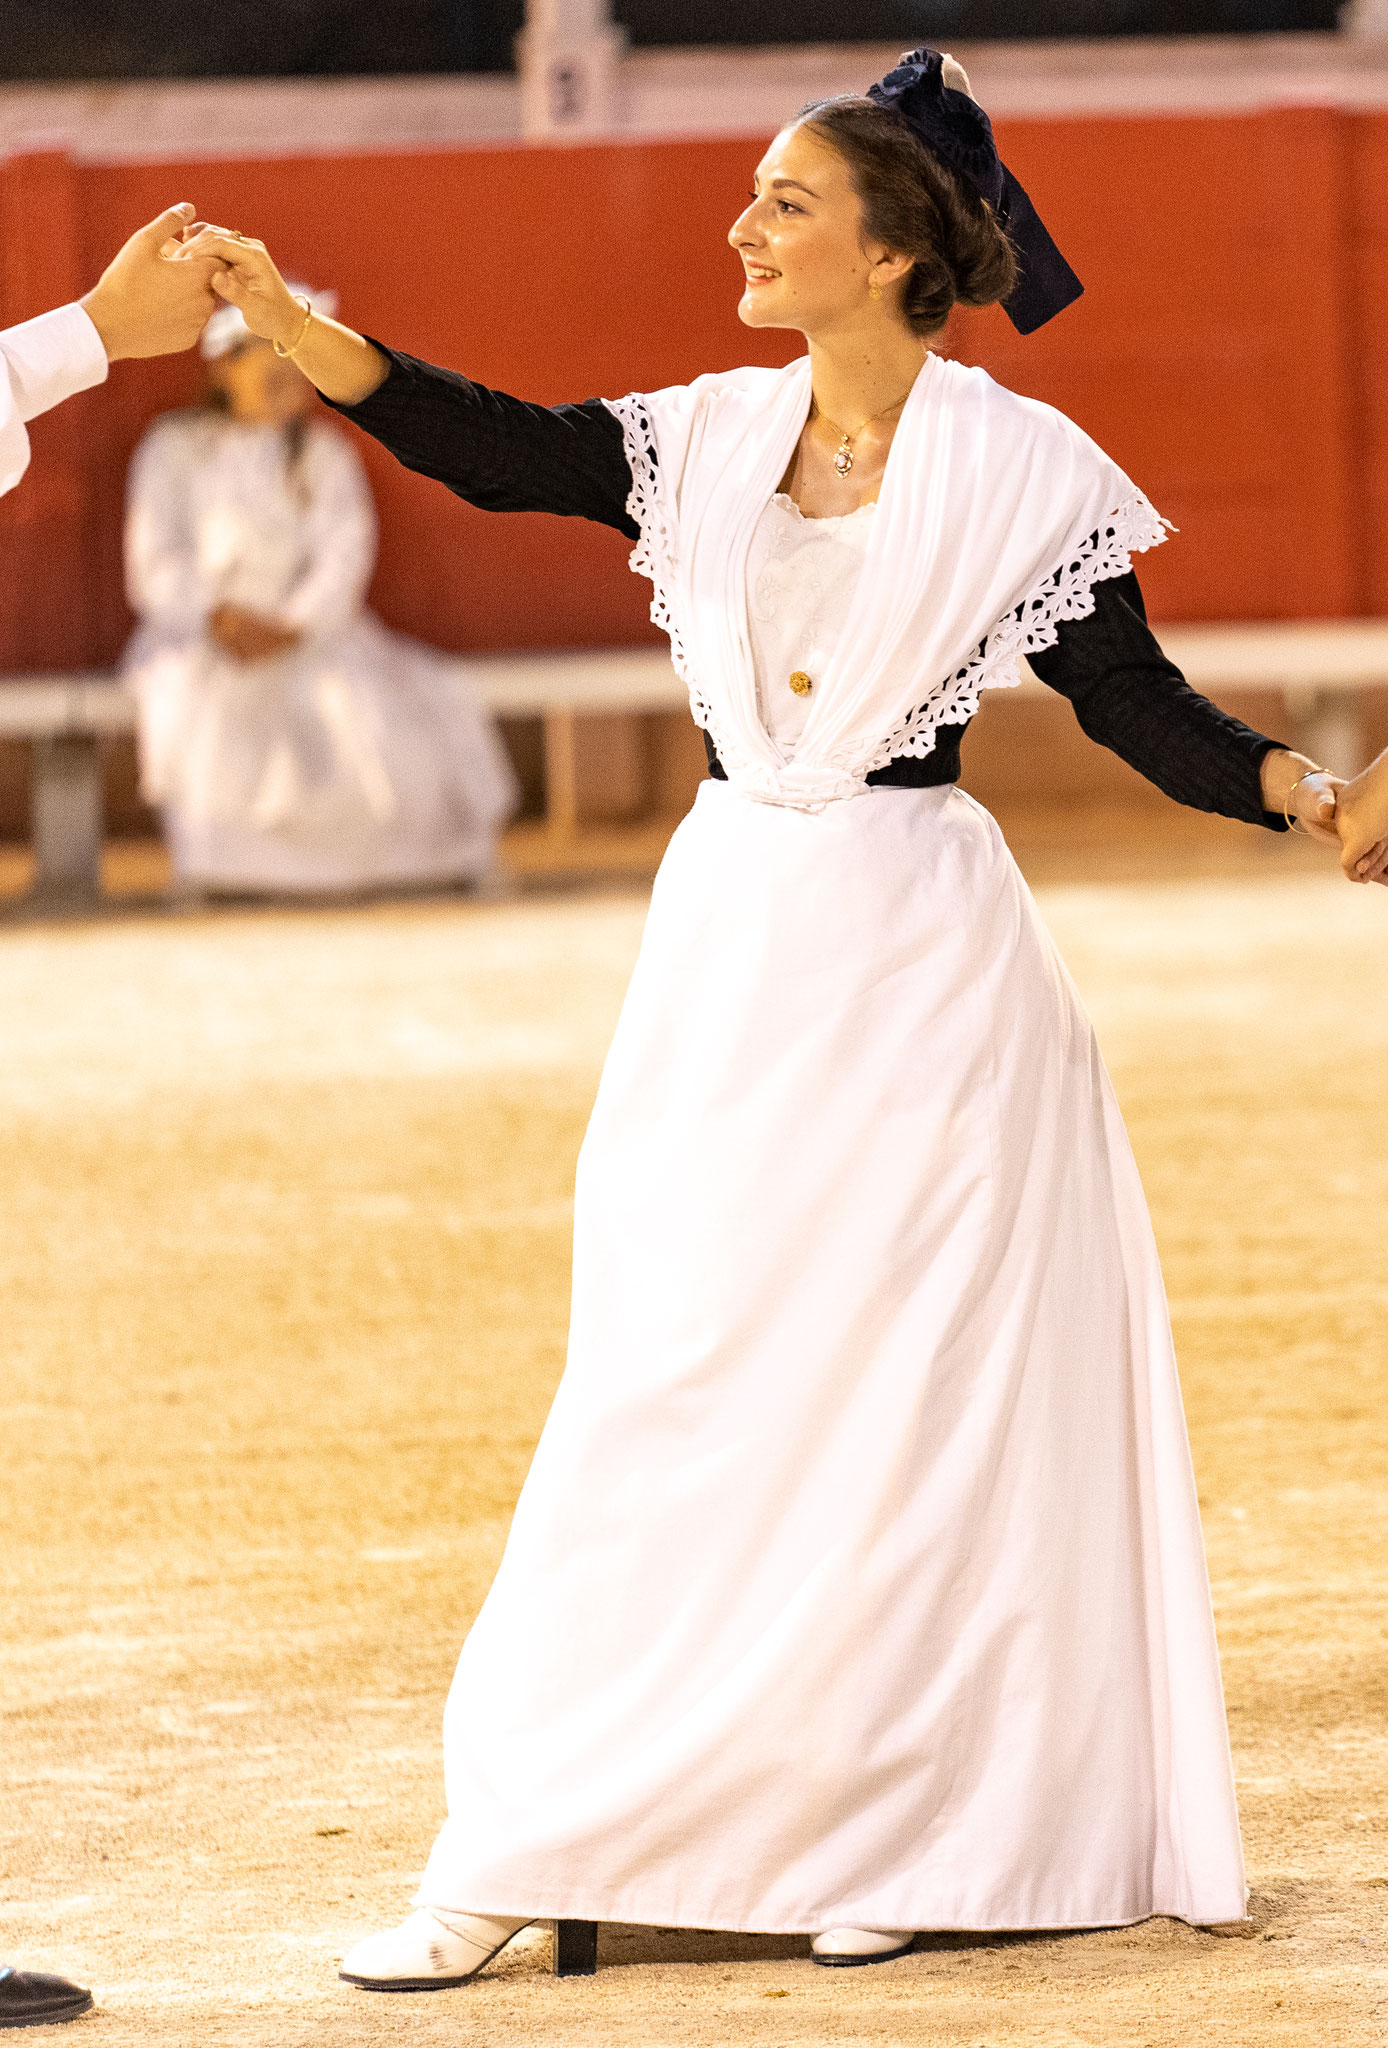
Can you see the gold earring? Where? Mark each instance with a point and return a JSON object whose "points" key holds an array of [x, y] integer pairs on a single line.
{"points": [[874, 289]]}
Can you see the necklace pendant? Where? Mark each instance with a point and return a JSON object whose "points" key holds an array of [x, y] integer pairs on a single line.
{"points": [[843, 461]]}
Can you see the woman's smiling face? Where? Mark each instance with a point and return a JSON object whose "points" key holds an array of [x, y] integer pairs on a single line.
{"points": [[800, 240]]}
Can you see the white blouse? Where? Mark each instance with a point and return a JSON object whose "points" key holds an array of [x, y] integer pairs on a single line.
{"points": [[801, 575]]}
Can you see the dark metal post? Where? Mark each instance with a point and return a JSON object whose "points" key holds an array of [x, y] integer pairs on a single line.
{"points": [[575, 1948]]}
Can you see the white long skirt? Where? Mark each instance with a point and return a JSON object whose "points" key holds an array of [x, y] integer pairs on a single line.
{"points": [[357, 761], [858, 1576]]}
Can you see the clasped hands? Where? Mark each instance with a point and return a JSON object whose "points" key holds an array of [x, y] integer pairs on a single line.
{"points": [[1350, 816], [157, 293]]}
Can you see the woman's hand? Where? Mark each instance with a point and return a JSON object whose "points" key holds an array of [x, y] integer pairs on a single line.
{"points": [[146, 305], [250, 636], [1362, 816], [343, 365], [1299, 789], [243, 272]]}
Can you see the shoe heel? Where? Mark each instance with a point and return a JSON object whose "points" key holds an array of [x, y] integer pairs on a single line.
{"points": [[575, 1948]]}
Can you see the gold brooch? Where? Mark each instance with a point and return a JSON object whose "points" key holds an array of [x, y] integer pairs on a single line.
{"points": [[801, 683]]}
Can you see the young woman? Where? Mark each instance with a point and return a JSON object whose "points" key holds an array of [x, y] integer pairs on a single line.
{"points": [[290, 741], [857, 1585]]}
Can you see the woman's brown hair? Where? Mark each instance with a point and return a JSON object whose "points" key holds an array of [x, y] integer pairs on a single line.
{"points": [[918, 207]]}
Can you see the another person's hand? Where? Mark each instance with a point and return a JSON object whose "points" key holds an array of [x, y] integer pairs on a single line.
{"points": [[250, 636], [1362, 816], [146, 303]]}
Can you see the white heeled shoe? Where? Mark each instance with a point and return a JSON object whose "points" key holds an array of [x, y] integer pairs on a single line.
{"points": [[845, 1948], [430, 1951]]}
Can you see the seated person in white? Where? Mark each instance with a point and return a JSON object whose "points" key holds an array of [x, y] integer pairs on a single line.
{"points": [[290, 741]]}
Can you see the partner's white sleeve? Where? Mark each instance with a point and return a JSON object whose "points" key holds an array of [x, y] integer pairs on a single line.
{"points": [[42, 362]]}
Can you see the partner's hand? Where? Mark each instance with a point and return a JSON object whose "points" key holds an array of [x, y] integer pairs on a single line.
{"points": [[250, 636], [243, 273], [147, 304], [1362, 816], [1372, 866]]}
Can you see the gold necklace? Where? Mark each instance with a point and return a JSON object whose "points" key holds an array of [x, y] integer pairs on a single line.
{"points": [[843, 454]]}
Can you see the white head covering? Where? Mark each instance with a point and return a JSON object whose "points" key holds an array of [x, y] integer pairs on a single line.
{"points": [[226, 330]]}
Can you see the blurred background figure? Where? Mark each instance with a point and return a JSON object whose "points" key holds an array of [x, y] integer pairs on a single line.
{"points": [[290, 742]]}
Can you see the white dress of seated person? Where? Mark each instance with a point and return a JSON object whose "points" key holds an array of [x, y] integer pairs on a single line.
{"points": [[354, 759], [858, 1580]]}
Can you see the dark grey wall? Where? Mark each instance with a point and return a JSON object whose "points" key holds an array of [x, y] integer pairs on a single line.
{"points": [[314, 38]]}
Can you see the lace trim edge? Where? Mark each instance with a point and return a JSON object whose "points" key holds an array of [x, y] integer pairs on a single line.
{"points": [[1067, 593]]}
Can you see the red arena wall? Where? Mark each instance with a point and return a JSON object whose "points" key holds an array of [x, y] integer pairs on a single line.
{"points": [[1231, 351]]}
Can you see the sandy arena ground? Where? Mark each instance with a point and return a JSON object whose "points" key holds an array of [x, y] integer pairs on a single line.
{"points": [[285, 1246]]}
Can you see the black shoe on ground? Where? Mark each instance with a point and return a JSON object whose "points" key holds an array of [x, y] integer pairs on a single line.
{"points": [[30, 1999]]}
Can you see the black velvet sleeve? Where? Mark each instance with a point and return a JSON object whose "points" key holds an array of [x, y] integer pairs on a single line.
{"points": [[502, 454], [1131, 699]]}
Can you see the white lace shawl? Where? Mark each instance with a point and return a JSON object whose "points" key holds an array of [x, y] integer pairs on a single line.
{"points": [[996, 518]]}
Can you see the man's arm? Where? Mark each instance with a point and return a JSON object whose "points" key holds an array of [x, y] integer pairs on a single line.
{"points": [[143, 305], [42, 362]]}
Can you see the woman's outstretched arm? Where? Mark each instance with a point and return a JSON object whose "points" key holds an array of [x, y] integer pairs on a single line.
{"points": [[1131, 699], [500, 453]]}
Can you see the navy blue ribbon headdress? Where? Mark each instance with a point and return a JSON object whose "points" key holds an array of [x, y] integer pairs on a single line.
{"points": [[956, 129]]}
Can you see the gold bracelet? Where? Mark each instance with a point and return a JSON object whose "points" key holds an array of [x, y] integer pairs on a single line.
{"points": [[1295, 824], [308, 315]]}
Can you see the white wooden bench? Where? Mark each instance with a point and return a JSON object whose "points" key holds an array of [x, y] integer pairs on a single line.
{"points": [[1321, 667], [66, 717], [563, 686]]}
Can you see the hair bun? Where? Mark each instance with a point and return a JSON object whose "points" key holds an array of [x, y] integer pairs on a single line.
{"points": [[918, 207], [981, 258]]}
